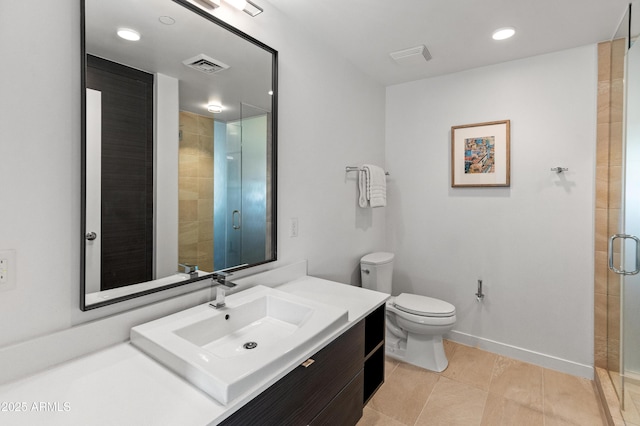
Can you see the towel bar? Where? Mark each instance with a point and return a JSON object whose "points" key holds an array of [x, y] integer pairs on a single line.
{"points": [[357, 169]]}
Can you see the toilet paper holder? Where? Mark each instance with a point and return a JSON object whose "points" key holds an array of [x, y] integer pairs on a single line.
{"points": [[479, 294]]}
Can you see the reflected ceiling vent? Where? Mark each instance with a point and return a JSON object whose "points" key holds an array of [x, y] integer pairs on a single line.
{"points": [[205, 64], [413, 56]]}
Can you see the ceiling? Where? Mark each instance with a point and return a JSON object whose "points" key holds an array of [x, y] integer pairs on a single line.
{"points": [[457, 33], [242, 90]]}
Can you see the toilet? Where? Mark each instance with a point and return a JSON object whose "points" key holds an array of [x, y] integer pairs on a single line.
{"points": [[415, 324]]}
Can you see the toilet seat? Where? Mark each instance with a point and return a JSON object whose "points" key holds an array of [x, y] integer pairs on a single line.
{"points": [[423, 306], [421, 320]]}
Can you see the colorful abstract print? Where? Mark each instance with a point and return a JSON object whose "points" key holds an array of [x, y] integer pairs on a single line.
{"points": [[479, 155]]}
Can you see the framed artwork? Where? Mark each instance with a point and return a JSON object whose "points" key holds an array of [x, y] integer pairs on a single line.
{"points": [[480, 154]]}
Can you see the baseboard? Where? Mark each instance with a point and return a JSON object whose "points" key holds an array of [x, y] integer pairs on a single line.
{"points": [[532, 357]]}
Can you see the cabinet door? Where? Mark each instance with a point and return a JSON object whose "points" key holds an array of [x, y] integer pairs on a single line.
{"points": [[299, 396]]}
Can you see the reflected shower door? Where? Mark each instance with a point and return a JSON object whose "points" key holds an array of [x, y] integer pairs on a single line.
{"points": [[240, 186]]}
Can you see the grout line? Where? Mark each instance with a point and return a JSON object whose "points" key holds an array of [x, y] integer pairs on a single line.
{"points": [[428, 398], [484, 408]]}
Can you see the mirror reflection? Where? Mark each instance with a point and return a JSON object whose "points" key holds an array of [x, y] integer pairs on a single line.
{"points": [[179, 149]]}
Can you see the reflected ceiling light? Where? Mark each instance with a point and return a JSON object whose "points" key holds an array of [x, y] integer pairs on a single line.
{"points": [[503, 33], [246, 6], [238, 4], [252, 9], [208, 5], [128, 34], [270, 92], [214, 108]]}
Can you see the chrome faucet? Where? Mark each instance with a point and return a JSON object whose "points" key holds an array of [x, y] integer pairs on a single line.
{"points": [[192, 270], [222, 285]]}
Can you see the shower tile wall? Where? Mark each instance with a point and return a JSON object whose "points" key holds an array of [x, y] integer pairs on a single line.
{"points": [[608, 201], [195, 184]]}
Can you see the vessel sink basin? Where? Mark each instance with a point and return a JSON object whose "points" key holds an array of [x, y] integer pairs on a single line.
{"points": [[229, 351]]}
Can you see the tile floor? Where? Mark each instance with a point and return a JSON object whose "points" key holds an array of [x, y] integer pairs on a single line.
{"points": [[482, 388], [631, 412]]}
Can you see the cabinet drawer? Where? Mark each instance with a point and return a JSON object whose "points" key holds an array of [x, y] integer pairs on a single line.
{"points": [[299, 396], [346, 408]]}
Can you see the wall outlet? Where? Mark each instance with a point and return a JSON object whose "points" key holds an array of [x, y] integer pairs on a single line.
{"points": [[7, 269], [293, 227]]}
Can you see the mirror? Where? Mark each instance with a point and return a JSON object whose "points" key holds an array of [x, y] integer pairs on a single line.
{"points": [[179, 148]]}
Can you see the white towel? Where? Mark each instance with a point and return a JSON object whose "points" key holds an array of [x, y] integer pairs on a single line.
{"points": [[373, 186]]}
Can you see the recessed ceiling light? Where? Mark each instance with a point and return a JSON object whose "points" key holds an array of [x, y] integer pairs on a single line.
{"points": [[128, 34], [503, 33], [214, 108]]}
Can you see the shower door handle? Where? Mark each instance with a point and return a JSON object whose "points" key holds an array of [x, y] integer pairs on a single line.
{"points": [[624, 237], [234, 215]]}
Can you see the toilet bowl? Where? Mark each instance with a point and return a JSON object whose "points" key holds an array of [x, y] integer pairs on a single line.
{"points": [[415, 323]]}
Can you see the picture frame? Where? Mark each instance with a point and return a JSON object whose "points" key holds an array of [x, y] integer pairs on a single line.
{"points": [[480, 154]]}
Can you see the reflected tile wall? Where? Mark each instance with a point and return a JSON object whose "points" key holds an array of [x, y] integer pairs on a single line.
{"points": [[195, 191]]}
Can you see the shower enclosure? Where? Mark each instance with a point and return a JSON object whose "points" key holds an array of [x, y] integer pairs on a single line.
{"points": [[240, 189], [624, 245]]}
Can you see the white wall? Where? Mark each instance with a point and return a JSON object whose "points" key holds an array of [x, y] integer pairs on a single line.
{"points": [[531, 243], [166, 144], [329, 117]]}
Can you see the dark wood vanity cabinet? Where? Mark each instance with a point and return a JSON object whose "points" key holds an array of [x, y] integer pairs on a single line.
{"points": [[329, 390], [375, 327]]}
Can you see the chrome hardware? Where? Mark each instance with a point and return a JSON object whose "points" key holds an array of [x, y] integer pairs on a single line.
{"points": [[192, 270], [250, 345], [479, 294], [559, 169], [357, 169], [366, 271], [233, 219], [622, 271], [91, 236], [220, 280], [307, 363]]}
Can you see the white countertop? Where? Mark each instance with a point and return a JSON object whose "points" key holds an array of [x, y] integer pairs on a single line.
{"points": [[122, 386]]}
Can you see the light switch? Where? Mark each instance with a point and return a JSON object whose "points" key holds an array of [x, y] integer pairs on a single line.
{"points": [[293, 227]]}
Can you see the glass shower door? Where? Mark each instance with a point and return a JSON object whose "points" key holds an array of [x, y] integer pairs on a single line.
{"points": [[627, 244], [630, 289]]}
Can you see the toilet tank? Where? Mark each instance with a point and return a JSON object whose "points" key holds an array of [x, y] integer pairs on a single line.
{"points": [[376, 270]]}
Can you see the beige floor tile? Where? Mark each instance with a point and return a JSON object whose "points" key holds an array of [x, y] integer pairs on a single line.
{"points": [[371, 417], [631, 412], [500, 411], [517, 381], [390, 365], [449, 348], [471, 366], [453, 403], [570, 399], [404, 393]]}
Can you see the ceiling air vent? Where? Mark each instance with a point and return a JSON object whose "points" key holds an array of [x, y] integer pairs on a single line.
{"points": [[205, 64], [413, 56]]}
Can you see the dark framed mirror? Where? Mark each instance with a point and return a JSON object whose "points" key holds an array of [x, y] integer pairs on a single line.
{"points": [[178, 148]]}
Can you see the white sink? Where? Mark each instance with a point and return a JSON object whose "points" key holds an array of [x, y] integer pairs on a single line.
{"points": [[228, 351]]}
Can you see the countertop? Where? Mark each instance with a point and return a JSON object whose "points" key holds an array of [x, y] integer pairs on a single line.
{"points": [[122, 386]]}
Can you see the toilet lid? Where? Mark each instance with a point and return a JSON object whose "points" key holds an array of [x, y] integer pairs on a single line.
{"points": [[425, 306], [377, 258]]}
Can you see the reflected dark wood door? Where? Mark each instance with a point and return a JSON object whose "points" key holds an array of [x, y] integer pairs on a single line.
{"points": [[127, 171]]}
